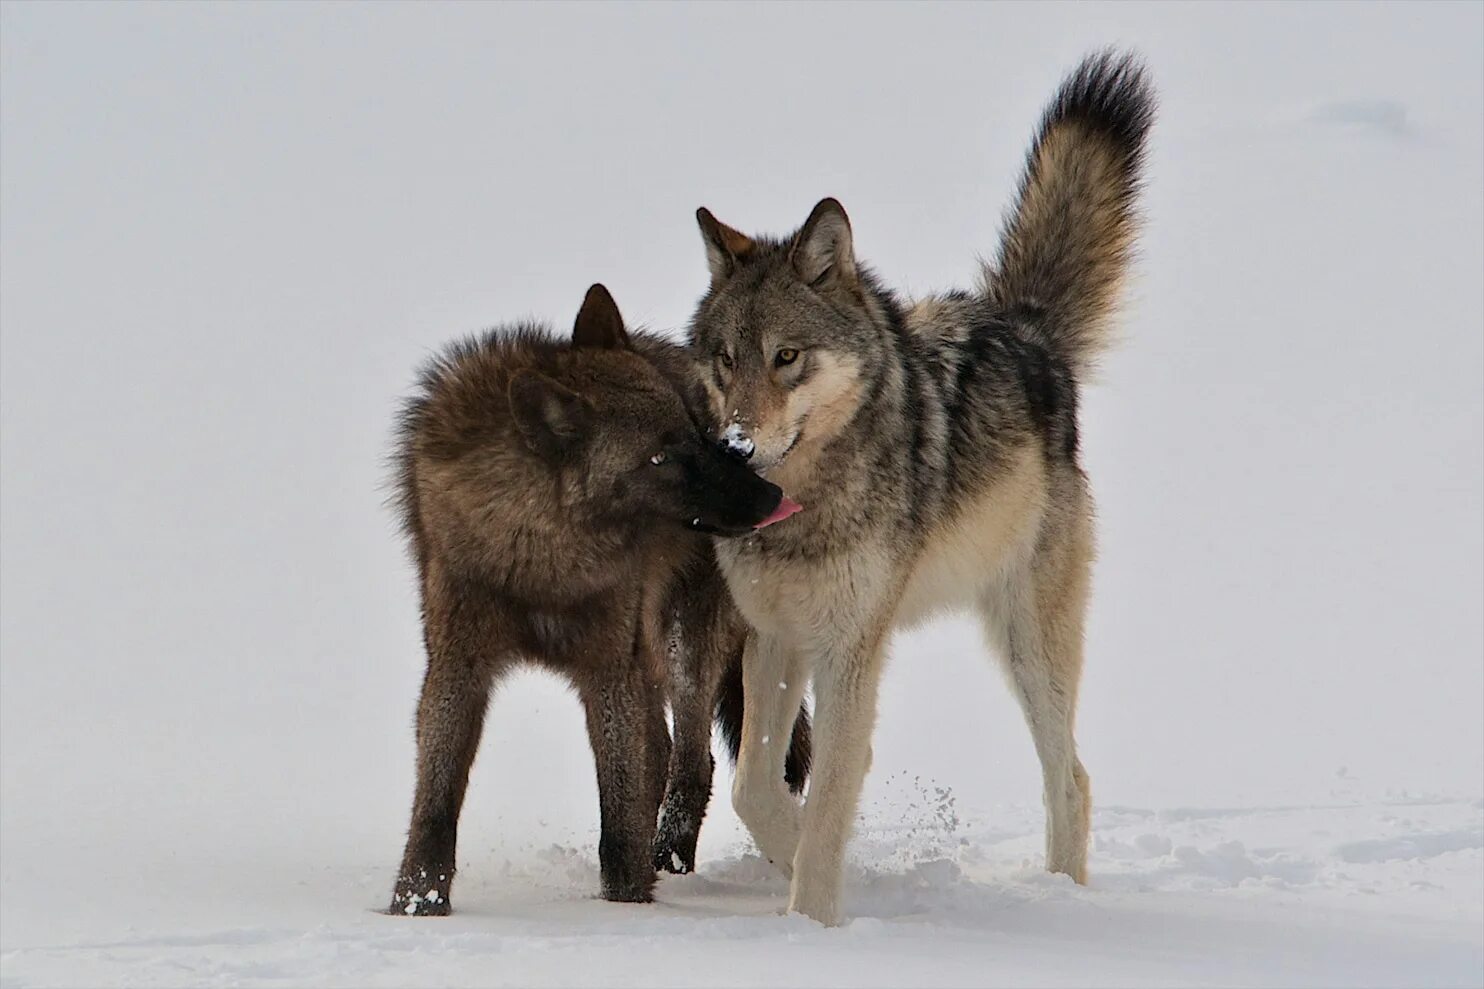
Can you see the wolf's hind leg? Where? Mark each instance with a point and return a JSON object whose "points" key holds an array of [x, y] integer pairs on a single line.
{"points": [[1035, 619], [450, 718]]}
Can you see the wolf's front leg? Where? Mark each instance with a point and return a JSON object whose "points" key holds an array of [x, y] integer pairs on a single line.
{"points": [[773, 680], [631, 747], [708, 637], [450, 718], [845, 688], [688, 790]]}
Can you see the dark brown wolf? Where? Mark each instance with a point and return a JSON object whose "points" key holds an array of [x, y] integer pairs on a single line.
{"points": [[558, 497]]}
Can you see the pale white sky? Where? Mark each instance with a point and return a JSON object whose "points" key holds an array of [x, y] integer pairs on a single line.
{"points": [[229, 233]]}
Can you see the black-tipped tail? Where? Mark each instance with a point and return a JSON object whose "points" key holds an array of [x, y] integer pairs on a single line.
{"points": [[1069, 237]]}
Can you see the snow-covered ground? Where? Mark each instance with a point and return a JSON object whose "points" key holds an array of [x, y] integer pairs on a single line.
{"points": [[1345, 893], [229, 232]]}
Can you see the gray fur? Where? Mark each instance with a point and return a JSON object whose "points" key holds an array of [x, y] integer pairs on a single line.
{"points": [[934, 447]]}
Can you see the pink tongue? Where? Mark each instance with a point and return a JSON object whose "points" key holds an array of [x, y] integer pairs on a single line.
{"points": [[785, 508]]}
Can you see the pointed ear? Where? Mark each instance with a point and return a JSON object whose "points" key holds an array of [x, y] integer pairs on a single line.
{"points": [[599, 323], [550, 416], [822, 253], [724, 246]]}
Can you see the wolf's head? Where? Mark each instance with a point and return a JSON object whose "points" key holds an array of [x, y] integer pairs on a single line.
{"points": [[624, 436], [787, 335]]}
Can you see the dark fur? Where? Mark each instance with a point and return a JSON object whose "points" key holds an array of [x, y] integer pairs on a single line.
{"points": [[542, 532]]}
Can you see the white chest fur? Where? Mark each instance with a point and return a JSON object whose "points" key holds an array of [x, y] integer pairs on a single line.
{"points": [[811, 602]]}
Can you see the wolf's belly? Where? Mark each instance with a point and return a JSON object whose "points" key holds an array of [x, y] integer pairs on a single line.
{"points": [[992, 532]]}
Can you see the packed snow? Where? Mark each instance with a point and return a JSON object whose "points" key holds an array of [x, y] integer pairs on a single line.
{"points": [[1380, 893], [228, 235]]}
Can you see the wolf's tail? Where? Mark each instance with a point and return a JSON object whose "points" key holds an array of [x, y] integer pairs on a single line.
{"points": [[729, 720], [1068, 240]]}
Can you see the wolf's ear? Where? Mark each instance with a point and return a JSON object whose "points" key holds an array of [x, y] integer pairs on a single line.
{"points": [[724, 246], [599, 323], [822, 253], [550, 416]]}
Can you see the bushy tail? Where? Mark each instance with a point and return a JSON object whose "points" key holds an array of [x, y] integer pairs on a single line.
{"points": [[1069, 238], [729, 720]]}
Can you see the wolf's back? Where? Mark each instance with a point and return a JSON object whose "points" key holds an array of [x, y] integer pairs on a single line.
{"points": [[1069, 237]]}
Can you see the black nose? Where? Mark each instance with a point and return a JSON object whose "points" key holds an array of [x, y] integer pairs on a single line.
{"points": [[768, 497]]}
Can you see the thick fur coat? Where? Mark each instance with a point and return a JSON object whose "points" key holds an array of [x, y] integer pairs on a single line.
{"points": [[557, 497], [934, 448]]}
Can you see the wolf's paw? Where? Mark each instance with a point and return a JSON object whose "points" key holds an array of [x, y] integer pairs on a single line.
{"points": [[816, 905], [421, 898], [671, 859], [632, 892], [675, 849]]}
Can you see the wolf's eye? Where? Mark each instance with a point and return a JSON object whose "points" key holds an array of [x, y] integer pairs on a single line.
{"points": [[658, 458], [785, 357], [725, 358]]}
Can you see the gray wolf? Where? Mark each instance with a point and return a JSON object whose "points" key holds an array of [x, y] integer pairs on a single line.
{"points": [[557, 496], [934, 449]]}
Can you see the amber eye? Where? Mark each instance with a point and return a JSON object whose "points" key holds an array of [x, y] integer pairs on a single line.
{"points": [[658, 458], [786, 356], [725, 358]]}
